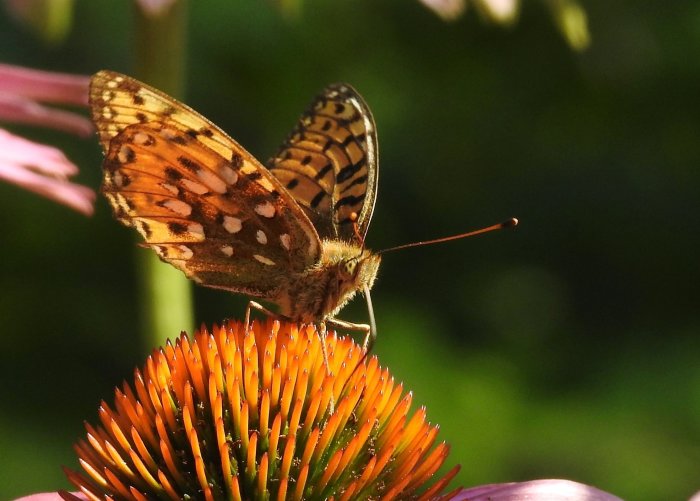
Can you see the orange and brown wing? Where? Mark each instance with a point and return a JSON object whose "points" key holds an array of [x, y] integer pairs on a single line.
{"points": [[329, 162], [198, 199]]}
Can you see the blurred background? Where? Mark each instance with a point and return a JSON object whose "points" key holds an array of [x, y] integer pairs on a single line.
{"points": [[566, 348]]}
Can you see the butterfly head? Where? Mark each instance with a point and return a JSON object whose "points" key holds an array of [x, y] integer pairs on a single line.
{"points": [[359, 270], [349, 269]]}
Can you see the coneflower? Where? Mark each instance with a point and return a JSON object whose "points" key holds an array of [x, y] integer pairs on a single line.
{"points": [[256, 414]]}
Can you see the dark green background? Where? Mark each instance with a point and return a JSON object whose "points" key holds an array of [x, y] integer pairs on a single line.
{"points": [[566, 348]]}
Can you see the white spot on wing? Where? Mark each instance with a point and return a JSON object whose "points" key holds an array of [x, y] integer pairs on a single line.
{"points": [[125, 152], [196, 229], [228, 174], [168, 133], [141, 138], [227, 250], [263, 260], [194, 187], [185, 252], [285, 241], [265, 209], [172, 189], [118, 179], [214, 182], [178, 207], [261, 237], [313, 244], [232, 224]]}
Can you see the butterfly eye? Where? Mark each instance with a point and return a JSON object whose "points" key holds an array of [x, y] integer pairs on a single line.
{"points": [[350, 267]]}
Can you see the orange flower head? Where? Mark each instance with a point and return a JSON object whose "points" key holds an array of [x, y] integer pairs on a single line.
{"points": [[249, 415]]}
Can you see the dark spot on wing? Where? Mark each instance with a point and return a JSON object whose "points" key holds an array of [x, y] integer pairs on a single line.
{"points": [[173, 174], [349, 200], [177, 228], [323, 171], [189, 164], [317, 199]]}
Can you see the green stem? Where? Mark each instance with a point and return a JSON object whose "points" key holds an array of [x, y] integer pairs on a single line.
{"points": [[159, 60]]}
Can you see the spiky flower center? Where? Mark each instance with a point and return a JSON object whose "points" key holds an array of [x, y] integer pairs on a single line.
{"points": [[257, 414]]}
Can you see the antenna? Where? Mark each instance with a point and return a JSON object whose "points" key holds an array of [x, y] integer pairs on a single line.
{"points": [[510, 223]]}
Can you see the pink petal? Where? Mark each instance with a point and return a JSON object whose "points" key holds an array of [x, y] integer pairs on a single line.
{"points": [[19, 109], [548, 490], [501, 10], [43, 170], [446, 9], [155, 7], [44, 86], [43, 158], [52, 496]]}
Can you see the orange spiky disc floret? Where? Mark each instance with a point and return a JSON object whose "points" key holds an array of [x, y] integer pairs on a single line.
{"points": [[232, 415]]}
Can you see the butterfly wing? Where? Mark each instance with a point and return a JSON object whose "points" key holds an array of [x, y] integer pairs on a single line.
{"points": [[202, 202], [329, 162]]}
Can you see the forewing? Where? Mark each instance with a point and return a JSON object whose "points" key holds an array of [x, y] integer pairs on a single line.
{"points": [[329, 162], [201, 201]]}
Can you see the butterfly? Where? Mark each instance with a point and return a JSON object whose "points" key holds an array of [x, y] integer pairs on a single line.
{"points": [[290, 232]]}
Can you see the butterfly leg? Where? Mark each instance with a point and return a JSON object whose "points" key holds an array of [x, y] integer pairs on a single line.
{"points": [[370, 336], [369, 330], [322, 330], [254, 305]]}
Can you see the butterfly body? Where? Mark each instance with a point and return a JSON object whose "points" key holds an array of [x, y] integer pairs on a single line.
{"points": [[291, 233], [321, 291]]}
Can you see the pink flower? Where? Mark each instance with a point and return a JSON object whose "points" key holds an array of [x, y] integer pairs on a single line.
{"points": [[549, 489], [44, 170], [54, 496], [569, 16], [37, 167], [501, 11], [155, 8], [21, 89], [446, 9]]}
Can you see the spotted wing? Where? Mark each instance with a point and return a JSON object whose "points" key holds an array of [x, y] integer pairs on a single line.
{"points": [[329, 162], [202, 202]]}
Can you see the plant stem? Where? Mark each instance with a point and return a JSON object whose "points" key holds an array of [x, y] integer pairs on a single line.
{"points": [[159, 60]]}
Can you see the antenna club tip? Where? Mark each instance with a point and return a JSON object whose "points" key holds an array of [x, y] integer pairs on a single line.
{"points": [[512, 222]]}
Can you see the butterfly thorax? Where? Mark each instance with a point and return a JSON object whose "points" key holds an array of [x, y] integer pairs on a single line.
{"points": [[322, 290]]}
